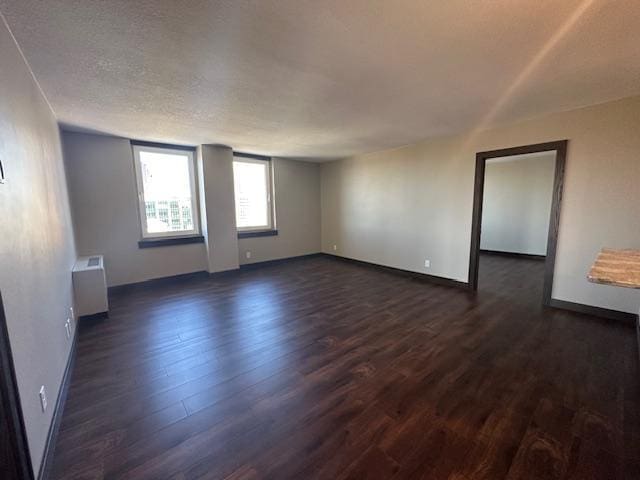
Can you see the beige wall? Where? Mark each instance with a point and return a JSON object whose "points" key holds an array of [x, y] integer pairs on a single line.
{"points": [[36, 241], [104, 203], [297, 202], [517, 203], [400, 207]]}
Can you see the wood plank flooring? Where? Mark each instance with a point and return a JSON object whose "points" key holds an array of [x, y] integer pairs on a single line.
{"points": [[321, 369]]}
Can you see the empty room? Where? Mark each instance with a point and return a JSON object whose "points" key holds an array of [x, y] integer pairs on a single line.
{"points": [[283, 239]]}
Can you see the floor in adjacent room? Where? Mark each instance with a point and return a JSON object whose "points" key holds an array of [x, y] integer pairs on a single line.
{"points": [[322, 369]]}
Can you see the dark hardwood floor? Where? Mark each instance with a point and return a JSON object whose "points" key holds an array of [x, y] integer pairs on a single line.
{"points": [[321, 369]]}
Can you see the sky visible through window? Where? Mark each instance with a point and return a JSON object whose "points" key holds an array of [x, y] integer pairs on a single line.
{"points": [[167, 192], [251, 184]]}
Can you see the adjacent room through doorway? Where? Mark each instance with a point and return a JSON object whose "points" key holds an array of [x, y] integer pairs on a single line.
{"points": [[517, 199], [515, 221]]}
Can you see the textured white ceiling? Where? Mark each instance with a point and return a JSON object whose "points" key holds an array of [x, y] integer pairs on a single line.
{"points": [[322, 79]]}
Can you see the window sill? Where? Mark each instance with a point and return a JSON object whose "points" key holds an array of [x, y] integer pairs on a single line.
{"points": [[258, 233], [167, 242]]}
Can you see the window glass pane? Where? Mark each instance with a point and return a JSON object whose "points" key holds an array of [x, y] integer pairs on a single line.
{"points": [[251, 180], [166, 185]]}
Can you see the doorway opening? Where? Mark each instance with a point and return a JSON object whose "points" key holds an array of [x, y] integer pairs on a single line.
{"points": [[503, 225], [15, 461]]}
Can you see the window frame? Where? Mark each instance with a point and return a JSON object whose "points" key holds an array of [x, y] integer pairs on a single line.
{"points": [[195, 206], [259, 160]]}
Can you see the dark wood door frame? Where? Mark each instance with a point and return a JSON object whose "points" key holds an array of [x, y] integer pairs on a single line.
{"points": [[16, 461], [560, 147]]}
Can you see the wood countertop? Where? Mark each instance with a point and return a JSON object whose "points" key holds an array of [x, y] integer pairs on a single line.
{"points": [[620, 268]]}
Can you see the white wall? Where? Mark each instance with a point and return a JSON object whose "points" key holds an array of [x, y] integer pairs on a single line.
{"points": [[517, 203], [400, 207], [297, 202], [104, 203], [36, 241]]}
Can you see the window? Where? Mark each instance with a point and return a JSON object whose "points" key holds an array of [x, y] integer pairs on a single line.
{"points": [[166, 192], [252, 186]]}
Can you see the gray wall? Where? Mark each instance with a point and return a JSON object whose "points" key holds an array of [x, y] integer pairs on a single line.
{"points": [[36, 250], [297, 202], [104, 203], [217, 203], [517, 203], [102, 188], [400, 207]]}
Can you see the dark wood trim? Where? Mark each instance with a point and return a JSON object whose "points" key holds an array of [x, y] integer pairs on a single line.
{"points": [[253, 156], [554, 220], [49, 448], [94, 317], [277, 261], [624, 317], [638, 333], [560, 148], [142, 143], [478, 195], [224, 273], [528, 256], [266, 263], [186, 277], [258, 233], [126, 288], [446, 282], [523, 149], [171, 241], [154, 282], [11, 406], [2, 177]]}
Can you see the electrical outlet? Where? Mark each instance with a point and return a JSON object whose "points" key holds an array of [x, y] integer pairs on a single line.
{"points": [[248, 254], [335, 247], [67, 327], [43, 398], [427, 264]]}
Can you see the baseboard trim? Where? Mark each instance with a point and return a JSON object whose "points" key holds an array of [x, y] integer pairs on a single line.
{"points": [[443, 281], [184, 277], [638, 333], [278, 261], [50, 445], [623, 317], [528, 256], [154, 282], [224, 273], [93, 317]]}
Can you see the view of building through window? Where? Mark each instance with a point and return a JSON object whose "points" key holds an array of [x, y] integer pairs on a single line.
{"points": [[163, 216], [167, 185]]}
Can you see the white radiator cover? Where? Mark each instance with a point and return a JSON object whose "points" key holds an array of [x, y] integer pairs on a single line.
{"points": [[90, 286]]}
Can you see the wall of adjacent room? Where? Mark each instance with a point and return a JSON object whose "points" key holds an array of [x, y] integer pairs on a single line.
{"points": [[517, 203]]}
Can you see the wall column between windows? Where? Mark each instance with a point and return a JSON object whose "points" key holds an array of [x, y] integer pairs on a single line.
{"points": [[217, 207]]}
